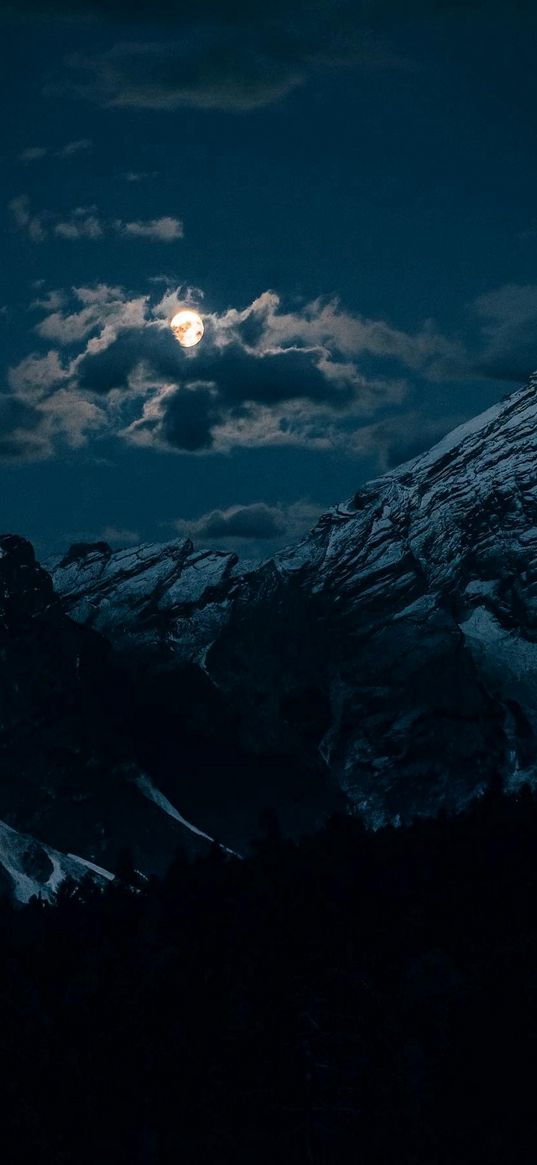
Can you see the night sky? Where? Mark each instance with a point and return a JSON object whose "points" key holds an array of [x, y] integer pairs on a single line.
{"points": [[344, 192]]}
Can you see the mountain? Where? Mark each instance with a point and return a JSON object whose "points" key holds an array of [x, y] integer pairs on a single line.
{"points": [[387, 664], [68, 776], [29, 868], [390, 657]]}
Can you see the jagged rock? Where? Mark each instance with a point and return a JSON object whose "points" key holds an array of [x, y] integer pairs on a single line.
{"points": [[158, 596]]}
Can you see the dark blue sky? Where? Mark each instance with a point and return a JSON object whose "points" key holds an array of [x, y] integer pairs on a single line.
{"points": [[375, 172]]}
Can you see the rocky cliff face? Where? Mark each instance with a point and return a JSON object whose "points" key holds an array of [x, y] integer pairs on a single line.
{"points": [[390, 657]]}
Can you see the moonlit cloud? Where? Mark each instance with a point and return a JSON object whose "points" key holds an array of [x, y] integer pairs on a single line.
{"points": [[115, 353], [230, 393], [264, 376], [105, 311], [264, 326], [34, 423], [36, 374]]}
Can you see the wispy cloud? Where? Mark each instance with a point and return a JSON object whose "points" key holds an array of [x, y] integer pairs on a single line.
{"points": [[508, 317], [33, 225], [69, 150], [33, 154], [166, 229], [85, 222], [140, 175]]}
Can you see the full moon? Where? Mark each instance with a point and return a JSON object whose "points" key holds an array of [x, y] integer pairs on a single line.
{"points": [[187, 327]]}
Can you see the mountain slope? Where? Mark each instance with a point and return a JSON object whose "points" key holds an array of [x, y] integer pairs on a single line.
{"points": [[390, 657], [28, 868], [68, 773]]}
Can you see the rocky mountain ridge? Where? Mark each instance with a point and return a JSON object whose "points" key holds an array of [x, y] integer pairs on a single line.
{"points": [[406, 620], [387, 664]]}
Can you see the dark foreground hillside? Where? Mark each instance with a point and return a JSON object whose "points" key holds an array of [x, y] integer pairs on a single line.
{"points": [[356, 997]]}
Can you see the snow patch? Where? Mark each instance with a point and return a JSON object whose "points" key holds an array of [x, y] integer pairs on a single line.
{"points": [[150, 791], [17, 850]]}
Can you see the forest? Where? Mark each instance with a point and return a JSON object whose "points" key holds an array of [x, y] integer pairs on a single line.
{"points": [[351, 996]]}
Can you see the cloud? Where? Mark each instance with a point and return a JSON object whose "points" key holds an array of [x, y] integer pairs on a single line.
{"points": [[253, 521], [165, 229], [400, 438], [265, 375], [223, 394], [208, 69], [140, 175], [69, 418], [105, 310], [31, 224], [69, 150], [230, 56], [33, 154], [508, 317], [50, 301], [84, 222], [263, 325], [237, 56], [31, 426], [196, 419], [186, 420], [36, 374], [260, 527]]}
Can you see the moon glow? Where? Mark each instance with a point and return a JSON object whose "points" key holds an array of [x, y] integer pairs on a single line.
{"points": [[187, 327]]}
